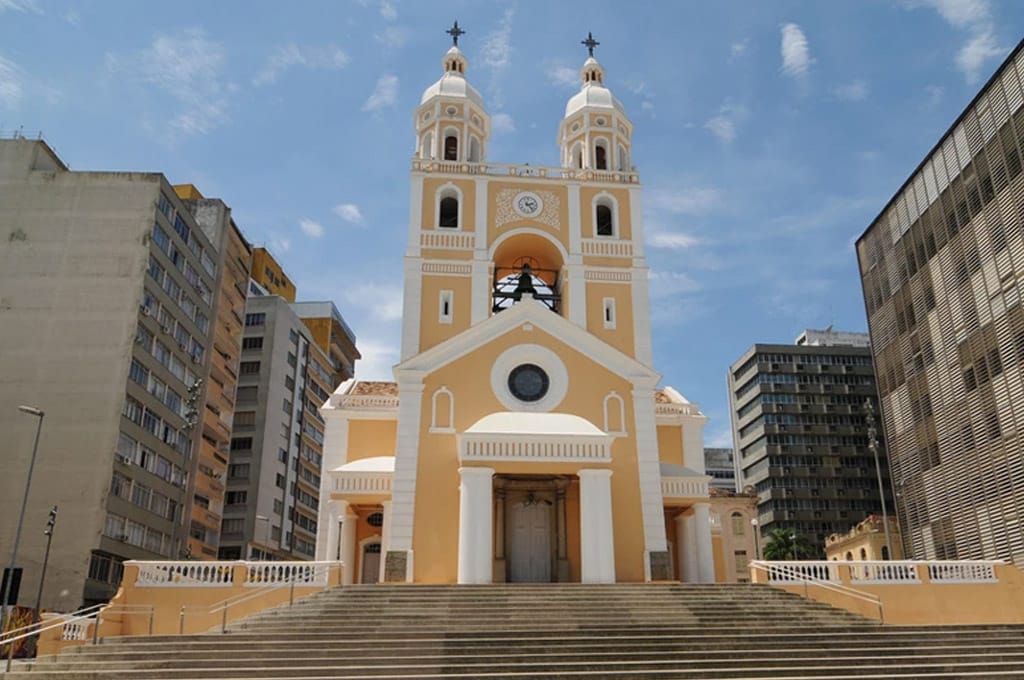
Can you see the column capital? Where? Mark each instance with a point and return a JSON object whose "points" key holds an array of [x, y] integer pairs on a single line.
{"points": [[476, 472], [594, 473]]}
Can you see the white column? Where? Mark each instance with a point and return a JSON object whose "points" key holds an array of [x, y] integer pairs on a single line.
{"points": [[702, 536], [348, 548], [597, 545], [412, 300], [649, 472], [330, 513], [476, 524], [690, 556], [403, 492], [385, 538], [643, 349]]}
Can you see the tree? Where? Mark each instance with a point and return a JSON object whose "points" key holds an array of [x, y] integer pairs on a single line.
{"points": [[785, 544]]}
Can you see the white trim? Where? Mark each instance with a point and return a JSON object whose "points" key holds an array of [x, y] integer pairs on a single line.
{"points": [[565, 331], [448, 190], [415, 216], [450, 427], [369, 540], [480, 306], [385, 539], [642, 317], [542, 448], [608, 275], [636, 223], [648, 472], [411, 305], [608, 313], [543, 357], [362, 483], [427, 145], [445, 306], [446, 268], [684, 487], [403, 491], [621, 430], [609, 201]]}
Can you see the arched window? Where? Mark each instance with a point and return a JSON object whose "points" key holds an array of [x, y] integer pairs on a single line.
{"points": [[451, 148], [448, 215], [739, 525], [623, 159], [605, 215], [442, 410], [604, 221], [576, 157], [474, 150], [614, 414], [885, 552], [427, 149], [849, 556], [600, 157], [863, 555]]}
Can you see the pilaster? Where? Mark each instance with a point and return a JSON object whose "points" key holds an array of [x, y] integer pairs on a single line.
{"points": [[597, 545], [476, 523]]}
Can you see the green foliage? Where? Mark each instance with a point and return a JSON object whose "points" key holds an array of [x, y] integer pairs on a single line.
{"points": [[784, 544]]}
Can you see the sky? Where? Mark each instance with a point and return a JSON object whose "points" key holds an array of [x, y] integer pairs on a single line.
{"points": [[768, 134]]}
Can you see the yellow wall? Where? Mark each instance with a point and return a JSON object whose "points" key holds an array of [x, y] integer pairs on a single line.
{"points": [[437, 516], [370, 438], [925, 603], [432, 331], [280, 284], [621, 196], [428, 217], [670, 444], [620, 337]]}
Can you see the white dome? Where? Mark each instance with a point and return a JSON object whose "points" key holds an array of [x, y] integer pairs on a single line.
{"points": [[452, 84], [593, 96]]}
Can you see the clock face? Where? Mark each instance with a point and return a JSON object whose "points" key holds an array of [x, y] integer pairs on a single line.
{"points": [[527, 204], [528, 382]]}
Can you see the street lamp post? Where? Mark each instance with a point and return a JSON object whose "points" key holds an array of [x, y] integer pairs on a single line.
{"points": [[38, 413], [50, 523], [757, 537], [869, 416]]}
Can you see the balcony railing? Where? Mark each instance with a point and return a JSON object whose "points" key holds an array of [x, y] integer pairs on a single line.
{"points": [[532, 171]]}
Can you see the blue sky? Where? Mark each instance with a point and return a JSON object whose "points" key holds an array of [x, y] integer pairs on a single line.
{"points": [[768, 134]]}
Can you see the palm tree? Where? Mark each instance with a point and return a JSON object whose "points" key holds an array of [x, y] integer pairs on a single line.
{"points": [[784, 544]]}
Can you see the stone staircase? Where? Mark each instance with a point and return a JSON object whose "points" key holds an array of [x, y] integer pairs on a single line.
{"points": [[551, 631]]}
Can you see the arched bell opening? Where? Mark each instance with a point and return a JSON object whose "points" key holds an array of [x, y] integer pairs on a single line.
{"points": [[526, 264]]}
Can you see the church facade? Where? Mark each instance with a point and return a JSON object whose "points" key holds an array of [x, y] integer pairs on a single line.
{"points": [[524, 438]]}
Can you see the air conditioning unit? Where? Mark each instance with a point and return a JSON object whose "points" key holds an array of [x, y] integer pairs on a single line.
{"points": [[181, 345], [123, 538], [166, 329], [144, 309], [124, 460]]}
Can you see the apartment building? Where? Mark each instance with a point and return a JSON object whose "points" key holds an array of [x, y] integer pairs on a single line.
{"points": [[798, 418], [108, 317]]}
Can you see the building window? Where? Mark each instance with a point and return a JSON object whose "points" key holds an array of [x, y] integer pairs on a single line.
{"points": [[249, 367], [451, 148], [252, 343], [445, 311], [604, 220], [256, 319], [739, 525], [609, 313], [279, 482], [448, 213], [376, 519], [238, 471]]}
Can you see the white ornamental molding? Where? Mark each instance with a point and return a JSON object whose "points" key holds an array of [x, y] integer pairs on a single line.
{"points": [[361, 482], [506, 212], [608, 276], [541, 449], [367, 401], [684, 487], [447, 240], [447, 268]]}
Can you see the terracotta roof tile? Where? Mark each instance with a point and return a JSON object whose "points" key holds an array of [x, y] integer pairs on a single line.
{"points": [[374, 387]]}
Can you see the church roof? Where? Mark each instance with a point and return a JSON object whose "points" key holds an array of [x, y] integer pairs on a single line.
{"points": [[363, 388]]}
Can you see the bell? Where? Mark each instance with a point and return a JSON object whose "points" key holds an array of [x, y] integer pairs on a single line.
{"points": [[525, 284]]}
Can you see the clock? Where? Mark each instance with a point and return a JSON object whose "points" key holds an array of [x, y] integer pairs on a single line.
{"points": [[527, 204]]}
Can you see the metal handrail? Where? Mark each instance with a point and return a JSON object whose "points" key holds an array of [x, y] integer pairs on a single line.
{"points": [[821, 583], [122, 609], [37, 627], [224, 605]]}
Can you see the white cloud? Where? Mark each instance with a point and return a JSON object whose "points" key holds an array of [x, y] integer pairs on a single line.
{"points": [[21, 6], [388, 11], [563, 76], [647, 105], [723, 125], [502, 123], [667, 283], [854, 91], [686, 201], [392, 37], [10, 84], [796, 56], [349, 212], [312, 229], [329, 57], [188, 67], [976, 18], [383, 301], [384, 93], [739, 48], [378, 358], [979, 49], [672, 240], [496, 52], [280, 245]]}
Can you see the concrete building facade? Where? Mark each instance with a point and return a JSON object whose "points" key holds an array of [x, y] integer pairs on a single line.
{"points": [[800, 434], [719, 466], [107, 317], [941, 268]]}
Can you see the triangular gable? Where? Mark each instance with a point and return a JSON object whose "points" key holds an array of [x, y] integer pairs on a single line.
{"points": [[546, 320]]}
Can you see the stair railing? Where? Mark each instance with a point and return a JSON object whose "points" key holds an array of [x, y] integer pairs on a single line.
{"points": [[791, 575], [304, 577]]}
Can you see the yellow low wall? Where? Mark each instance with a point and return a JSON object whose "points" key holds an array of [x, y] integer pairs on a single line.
{"points": [[922, 603], [172, 608]]}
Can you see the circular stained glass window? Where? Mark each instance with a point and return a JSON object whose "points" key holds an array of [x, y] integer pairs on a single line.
{"points": [[528, 382]]}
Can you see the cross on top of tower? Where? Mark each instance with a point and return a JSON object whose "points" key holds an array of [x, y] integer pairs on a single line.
{"points": [[589, 43], [455, 32]]}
